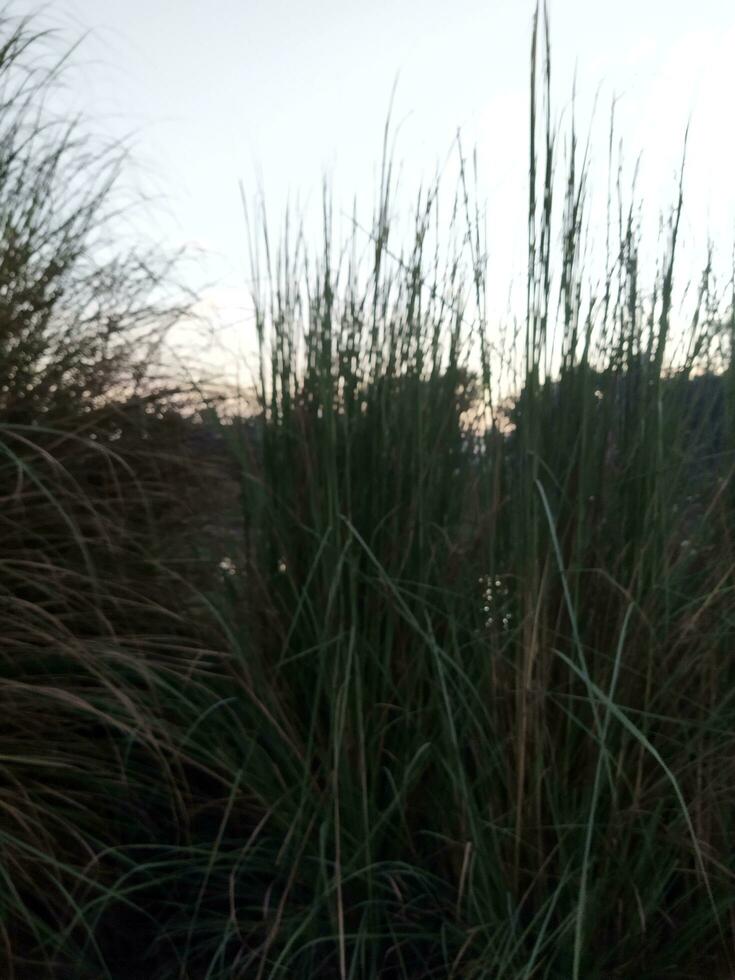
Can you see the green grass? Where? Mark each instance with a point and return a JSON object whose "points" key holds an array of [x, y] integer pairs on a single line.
{"points": [[459, 704]]}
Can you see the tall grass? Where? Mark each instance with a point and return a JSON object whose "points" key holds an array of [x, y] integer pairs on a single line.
{"points": [[494, 672], [98, 630], [461, 704]]}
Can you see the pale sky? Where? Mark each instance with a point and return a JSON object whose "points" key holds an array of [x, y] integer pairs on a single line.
{"points": [[283, 91]]}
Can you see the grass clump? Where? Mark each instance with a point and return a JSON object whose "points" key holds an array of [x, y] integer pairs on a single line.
{"points": [[497, 695], [459, 704], [99, 629]]}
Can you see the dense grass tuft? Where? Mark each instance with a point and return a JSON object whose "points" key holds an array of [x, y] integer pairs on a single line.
{"points": [[426, 673]]}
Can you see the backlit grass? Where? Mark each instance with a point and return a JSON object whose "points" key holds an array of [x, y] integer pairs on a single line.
{"points": [[442, 688]]}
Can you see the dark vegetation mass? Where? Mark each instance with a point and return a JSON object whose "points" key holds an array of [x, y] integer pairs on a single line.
{"points": [[420, 669]]}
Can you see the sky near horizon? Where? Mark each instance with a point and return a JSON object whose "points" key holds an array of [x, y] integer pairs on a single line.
{"points": [[280, 93]]}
